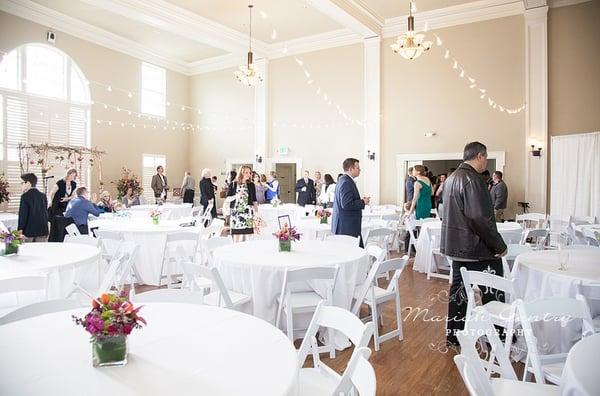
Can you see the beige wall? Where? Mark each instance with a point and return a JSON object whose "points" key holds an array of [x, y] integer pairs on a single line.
{"points": [[427, 95], [574, 69], [124, 145]]}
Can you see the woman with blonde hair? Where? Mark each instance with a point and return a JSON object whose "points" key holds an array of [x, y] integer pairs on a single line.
{"points": [[244, 206], [260, 183]]}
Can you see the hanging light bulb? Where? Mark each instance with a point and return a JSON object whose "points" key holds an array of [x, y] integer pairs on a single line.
{"points": [[248, 74], [411, 44]]}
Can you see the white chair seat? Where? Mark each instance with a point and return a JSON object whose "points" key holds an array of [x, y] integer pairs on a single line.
{"points": [[507, 387], [236, 298], [311, 382], [381, 295], [553, 372], [498, 311], [303, 300]]}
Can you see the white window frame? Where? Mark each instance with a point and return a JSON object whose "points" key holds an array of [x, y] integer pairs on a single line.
{"points": [[163, 71]]}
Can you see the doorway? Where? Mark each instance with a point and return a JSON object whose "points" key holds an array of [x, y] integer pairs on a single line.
{"points": [[286, 174]]}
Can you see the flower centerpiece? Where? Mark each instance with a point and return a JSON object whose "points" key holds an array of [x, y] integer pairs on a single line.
{"points": [[4, 194], [275, 202], [322, 215], [12, 240], [155, 215], [285, 236], [127, 180], [110, 321], [258, 224]]}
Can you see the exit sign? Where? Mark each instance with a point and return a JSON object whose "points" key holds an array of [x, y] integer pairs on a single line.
{"points": [[283, 150]]}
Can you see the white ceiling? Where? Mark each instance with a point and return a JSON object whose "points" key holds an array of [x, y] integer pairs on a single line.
{"points": [[392, 8]]}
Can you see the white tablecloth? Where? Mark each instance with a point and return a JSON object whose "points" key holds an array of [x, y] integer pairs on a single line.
{"points": [[185, 350], [580, 374], [63, 263], [269, 213], [172, 211], [10, 220], [150, 238], [424, 247], [538, 276], [377, 213], [256, 268], [311, 228]]}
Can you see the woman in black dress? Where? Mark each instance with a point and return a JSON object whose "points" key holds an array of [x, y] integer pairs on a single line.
{"points": [[207, 192], [244, 206], [60, 195]]}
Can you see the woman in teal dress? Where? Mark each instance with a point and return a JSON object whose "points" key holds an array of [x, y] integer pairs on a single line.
{"points": [[421, 203]]}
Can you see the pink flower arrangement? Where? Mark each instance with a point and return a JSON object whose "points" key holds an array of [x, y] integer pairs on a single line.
{"points": [[322, 212], [111, 315], [14, 237], [287, 233], [155, 213]]}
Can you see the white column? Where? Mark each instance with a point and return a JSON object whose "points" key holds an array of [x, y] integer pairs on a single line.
{"points": [[536, 110], [261, 117], [372, 86]]}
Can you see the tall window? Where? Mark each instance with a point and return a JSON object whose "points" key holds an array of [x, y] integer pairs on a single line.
{"points": [[149, 164], [154, 88], [44, 98]]}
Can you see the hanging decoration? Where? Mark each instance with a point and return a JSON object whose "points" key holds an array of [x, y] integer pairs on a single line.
{"points": [[47, 156], [411, 44], [248, 74]]}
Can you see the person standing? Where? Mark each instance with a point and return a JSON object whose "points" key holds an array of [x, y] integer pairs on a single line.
{"points": [[260, 183], [188, 184], [33, 213], [244, 206], [347, 204], [272, 185], [327, 192], [160, 185], [421, 203], [207, 192], [439, 200], [469, 235], [318, 185], [305, 188], [60, 195], [80, 208], [499, 194], [409, 185]]}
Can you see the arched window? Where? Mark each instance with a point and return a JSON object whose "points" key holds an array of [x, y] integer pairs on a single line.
{"points": [[44, 97]]}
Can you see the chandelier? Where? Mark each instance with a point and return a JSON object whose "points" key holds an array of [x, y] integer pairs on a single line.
{"points": [[410, 45], [248, 74]]}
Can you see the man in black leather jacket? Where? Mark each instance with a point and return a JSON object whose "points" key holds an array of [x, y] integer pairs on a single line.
{"points": [[469, 234]]}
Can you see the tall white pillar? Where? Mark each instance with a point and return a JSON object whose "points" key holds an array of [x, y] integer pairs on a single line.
{"points": [[261, 117], [371, 173], [536, 109]]}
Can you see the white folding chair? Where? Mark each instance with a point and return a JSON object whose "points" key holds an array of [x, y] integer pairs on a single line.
{"points": [[180, 245], [374, 296], [304, 301], [512, 251], [531, 220], [347, 239], [219, 295], [83, 240], [579, 220], [359, 375], [590, 291], [25, 289], [110, 242], [206, 217], [478, 384], [411, 226], [209, 246], [435, 236], [120, 270], [321, 379], [72, 230], [549, 367], [539, 237], [170, 296], [501, 313], [39, 308], [381, 237]]}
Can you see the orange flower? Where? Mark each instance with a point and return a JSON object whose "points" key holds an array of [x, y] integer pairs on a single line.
{"points": [[105, 298]]}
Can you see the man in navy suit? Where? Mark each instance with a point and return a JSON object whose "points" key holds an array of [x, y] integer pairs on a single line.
{"points": [[33, 210], [305, 188], [347, 204]]}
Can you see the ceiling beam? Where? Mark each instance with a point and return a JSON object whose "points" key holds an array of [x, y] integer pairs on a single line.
{"points": [[176, 20], [351, 14]]}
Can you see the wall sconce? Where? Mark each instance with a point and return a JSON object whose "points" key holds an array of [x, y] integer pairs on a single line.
{"points": [[371, 155], [258, 159], [536, 153]]}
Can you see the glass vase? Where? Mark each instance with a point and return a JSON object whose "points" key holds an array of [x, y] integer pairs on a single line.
{"points": [[109, 351], [155, 220], [10, 249], [285, 246]]}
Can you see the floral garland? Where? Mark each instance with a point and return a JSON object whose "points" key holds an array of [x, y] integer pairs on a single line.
{"points": [[127, 180], [4, 194]]}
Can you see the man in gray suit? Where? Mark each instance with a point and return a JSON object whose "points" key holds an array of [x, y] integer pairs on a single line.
{"points": [[499, 193], [159, 185]]}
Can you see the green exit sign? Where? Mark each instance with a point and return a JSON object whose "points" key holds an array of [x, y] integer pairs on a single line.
{"points": [[283, 150]]}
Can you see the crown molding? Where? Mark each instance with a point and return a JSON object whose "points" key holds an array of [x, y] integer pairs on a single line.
{"points": [[476, 11], [173, 19], [215, 63], [352, 15], [336, 38], [37, 13], [564, 3]]}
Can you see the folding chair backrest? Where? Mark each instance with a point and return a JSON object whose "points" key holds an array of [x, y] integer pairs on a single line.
{"points": [[375, 252], [359, 375], [83, 240], [579, 220], [311, 273], [396, 265], [39, 308], [72, 230], [380, 232], [473, 376], [511, 237], [479, 278], [193, 270], [537, 219], [513, 250], [477, 326], [120, 267], [535, 233]]}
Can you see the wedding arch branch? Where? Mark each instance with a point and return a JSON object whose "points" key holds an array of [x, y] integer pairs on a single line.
{"points": [[47, 156]]}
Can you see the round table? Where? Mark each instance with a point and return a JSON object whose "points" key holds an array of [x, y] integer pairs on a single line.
{"points": [[580, 374], [508, 231], [311, 228], [256, 268], [10, 220], [149, 237], [63, 263], [185, 349], [270, 214], [172, 211], [538, 276]]}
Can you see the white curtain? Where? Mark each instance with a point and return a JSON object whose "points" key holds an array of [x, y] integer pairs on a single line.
{"points": [[575, 172]]}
